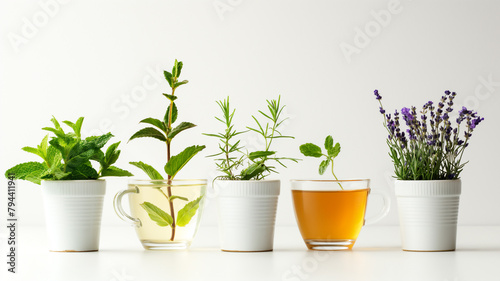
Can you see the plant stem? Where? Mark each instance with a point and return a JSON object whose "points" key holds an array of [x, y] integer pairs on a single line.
{"points": [[336, 177], [227, 159], [169, 181]]}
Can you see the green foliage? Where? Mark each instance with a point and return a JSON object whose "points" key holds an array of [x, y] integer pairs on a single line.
{"points": [[178, 161], [31, 171], [258, 163], [188, 211], [149, 170], [68, 157], [332, 151], [158, 215], [165, 132], [149, 132], [181, 127], [311, 150], [172, 117]]}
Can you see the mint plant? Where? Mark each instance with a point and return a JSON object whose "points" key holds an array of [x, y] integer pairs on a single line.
{"points": [[332, 151], [68, 157], [236, 164], [163, 131]]}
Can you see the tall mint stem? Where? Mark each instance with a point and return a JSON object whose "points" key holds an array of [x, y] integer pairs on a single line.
{"points": [[169, 181]]}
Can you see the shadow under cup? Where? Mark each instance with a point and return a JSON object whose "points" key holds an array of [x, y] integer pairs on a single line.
{"points": [[330, 213]]}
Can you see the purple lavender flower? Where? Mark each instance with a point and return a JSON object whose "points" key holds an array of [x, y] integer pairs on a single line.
{"points": [[407, 116], [416, 148], [475, 122]]}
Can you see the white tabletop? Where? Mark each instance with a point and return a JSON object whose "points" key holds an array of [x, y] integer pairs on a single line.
{"points": [[376, 256]]}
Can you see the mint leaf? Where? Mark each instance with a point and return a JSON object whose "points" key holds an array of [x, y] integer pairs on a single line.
{"points": [[335, 150], [177, 84], [156, 214], [323, 166], [21, 170], [181, 127], [260, 154], [57, 130], [174, 114], [168, 77], [99, 157], [77, 127], [150, 171], [31, 171], [312, 150], [179, 68], [56, 124], [41, 149], [170, 97], [55, 174], [155, 122], [97, 142], [148, 132], [34, 151], [188, 211], [84, 150], [178, 161], [112, 154], [329, 143], [171, 198], [44, 146], [84, 172], [174, 69], [113, 171]]}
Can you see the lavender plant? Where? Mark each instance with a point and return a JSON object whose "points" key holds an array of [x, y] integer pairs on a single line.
{"points": [[431, 148]]}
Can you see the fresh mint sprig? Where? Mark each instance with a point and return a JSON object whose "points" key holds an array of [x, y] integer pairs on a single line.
{"points": [[332, 151], [163, 131], [67, 156]]}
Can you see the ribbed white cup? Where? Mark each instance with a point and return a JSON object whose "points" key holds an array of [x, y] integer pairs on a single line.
{"points": [[73, 211], [247, 214], [428, 213]]}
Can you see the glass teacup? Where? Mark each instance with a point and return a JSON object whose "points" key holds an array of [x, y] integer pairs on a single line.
{"points": [[166, 214], [330, 213]]}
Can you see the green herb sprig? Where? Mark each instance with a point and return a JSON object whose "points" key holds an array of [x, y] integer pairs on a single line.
{"points": [[236, 164], [68, 157], [163, 131], [332, 151]]}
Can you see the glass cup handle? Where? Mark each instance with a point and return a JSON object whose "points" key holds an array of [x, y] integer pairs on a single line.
{"points": [[384, 211], [117, 204]]}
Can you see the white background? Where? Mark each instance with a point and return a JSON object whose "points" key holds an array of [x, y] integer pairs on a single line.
{"points": [[92, 58]]}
